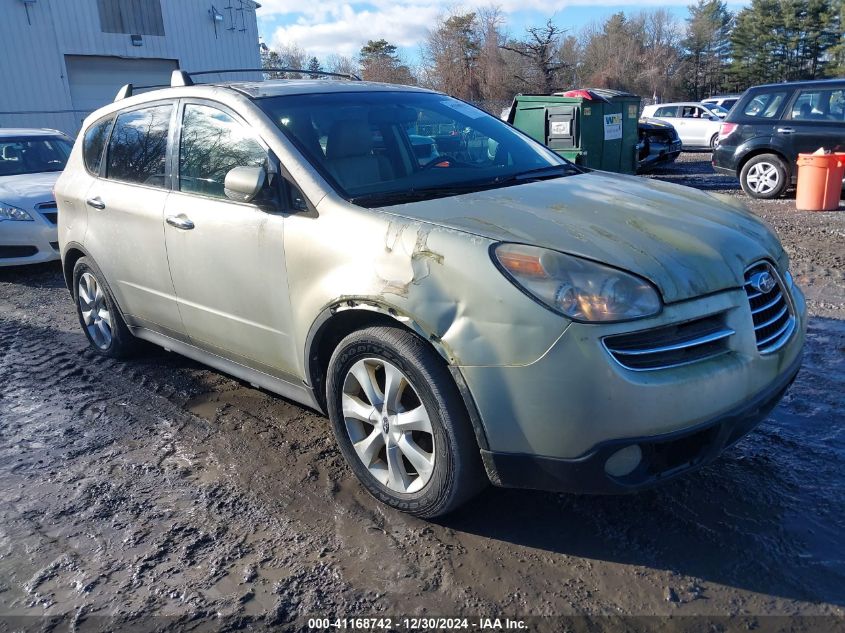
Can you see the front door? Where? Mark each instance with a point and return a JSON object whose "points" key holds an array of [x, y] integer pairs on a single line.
{"points": [[126, 205], [693, 126], [227, 258]]}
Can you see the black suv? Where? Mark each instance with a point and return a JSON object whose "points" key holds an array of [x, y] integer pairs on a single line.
{"points": [[770, 125]]}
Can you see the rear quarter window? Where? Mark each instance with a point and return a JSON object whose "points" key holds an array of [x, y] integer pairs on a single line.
{"points": [[93, 144], [138, 146], [764, 105]]}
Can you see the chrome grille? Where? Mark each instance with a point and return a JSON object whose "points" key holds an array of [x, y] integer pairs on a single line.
{"points": [[771, 310], [671, 345], [49, 210]]}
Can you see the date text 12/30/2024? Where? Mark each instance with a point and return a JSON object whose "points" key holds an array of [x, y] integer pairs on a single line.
{"points": [[416, 624]]}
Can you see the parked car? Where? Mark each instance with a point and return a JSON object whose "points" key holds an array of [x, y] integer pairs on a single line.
{"points": [[659, 144], [696, 124], [761, 138], [718, 110], [725, 101], [30, 163], [499, 315]]}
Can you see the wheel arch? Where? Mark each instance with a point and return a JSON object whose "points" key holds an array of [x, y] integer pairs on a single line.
{"points": [[342, 317], [759, 151], [73, 253]]}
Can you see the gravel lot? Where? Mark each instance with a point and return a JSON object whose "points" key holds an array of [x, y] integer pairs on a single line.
{"points": [[158, 487]]}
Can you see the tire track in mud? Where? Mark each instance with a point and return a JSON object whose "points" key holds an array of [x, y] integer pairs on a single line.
{"points": [[89, 444]]}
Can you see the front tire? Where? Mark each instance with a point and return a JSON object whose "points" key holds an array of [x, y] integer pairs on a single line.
{"points": [[401, 423], [764, 177], [98, 314]]}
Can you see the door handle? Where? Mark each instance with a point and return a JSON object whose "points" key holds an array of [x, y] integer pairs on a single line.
{"points": [[96, 203], [786, 130], [180, 222]]}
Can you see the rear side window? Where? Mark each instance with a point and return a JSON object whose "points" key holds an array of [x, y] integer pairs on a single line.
{"points": [[668, 111], [138, 146], [93, 144], [213, 143], [820, 105], [765, 105]]}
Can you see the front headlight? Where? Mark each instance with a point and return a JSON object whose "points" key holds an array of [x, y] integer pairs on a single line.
{"points": [[577, 288], [13, 214]]}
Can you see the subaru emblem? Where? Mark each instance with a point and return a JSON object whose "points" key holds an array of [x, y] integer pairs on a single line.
{"points": [[763, 282]]}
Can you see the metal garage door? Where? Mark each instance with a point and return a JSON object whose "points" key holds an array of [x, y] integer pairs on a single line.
{"points": [[94, 81]]}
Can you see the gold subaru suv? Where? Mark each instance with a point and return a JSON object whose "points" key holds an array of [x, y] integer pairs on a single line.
{"points": [[465, 305]]}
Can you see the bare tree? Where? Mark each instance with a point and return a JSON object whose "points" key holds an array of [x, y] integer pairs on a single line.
{"points": [[342, 65], [540, 49]]}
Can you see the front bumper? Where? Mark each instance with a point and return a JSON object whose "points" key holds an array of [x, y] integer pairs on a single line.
{"points": [[573, 407], [28, 242], [664, 456]]}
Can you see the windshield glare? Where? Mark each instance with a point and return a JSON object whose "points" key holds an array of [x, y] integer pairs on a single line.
{"points": [[32, 155], [379, 147]]}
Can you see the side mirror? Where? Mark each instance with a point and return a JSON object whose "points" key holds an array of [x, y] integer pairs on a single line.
{"points": [[242, 184]]}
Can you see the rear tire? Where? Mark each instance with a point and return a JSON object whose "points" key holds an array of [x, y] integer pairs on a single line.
{"points": [[400, 422], [764, 177], [98, 315], [714, 141]]}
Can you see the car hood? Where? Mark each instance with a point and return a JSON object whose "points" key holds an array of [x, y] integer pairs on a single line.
{"points": [[27, 190], [655, 124], [685, 241]]}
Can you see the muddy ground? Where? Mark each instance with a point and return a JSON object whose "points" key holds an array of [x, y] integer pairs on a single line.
{"points": [[159, 487]]}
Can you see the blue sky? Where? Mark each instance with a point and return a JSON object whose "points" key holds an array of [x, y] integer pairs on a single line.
{"points": [[326, 27]]}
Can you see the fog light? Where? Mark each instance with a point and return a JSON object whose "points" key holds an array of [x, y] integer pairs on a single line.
{"points": [[624, 461]]}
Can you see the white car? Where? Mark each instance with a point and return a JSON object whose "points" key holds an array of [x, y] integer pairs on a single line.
{"points": [[725, 101], [697, 125], [30, 163]]}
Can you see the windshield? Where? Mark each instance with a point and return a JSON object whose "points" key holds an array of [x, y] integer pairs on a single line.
{"points": [[32, 155], [717, 110], [380, 148]]}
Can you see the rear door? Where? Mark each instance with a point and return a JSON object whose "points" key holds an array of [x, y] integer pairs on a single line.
{"points": [[125, 206], [816, 119], [227, 258]]}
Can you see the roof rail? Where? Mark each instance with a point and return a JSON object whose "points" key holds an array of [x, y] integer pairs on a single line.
{"points": [[130, 89], [182, 78], [124, 92]]}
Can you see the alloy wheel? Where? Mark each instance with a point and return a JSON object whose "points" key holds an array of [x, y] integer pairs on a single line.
{"points": [[388, 425], [94, 310], [763, 178]]}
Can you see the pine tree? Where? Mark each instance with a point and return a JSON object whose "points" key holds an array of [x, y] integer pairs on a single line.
{"points": [[785, 40], [707, 45], [314, 68], [380, 62]]}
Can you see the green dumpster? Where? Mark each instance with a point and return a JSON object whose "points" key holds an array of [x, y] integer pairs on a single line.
{"points": [[584, 126]]}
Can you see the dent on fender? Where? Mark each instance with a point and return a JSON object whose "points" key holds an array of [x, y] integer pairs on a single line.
{"points": [[466, 310]]}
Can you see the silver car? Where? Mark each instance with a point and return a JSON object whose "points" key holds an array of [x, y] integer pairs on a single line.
{"points": [[697, 124], [492, 315], [30, 163]]}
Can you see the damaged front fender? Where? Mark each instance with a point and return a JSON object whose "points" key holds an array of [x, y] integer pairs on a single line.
{"points": [[439, 282]]}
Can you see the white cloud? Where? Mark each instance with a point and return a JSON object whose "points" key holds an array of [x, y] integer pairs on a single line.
{"points": [[343, 26]]}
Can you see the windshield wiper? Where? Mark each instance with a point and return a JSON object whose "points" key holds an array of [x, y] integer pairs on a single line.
{"points": [[427, 193], [414, 195], [540, 173]]}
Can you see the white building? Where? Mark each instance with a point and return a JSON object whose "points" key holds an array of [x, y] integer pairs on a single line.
{"points": [[61, 59]]}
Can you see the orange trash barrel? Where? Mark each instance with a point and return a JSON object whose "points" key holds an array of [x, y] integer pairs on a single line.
{"points": [[819, 181]]}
